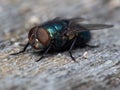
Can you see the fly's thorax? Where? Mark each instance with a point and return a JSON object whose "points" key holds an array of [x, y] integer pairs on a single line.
{"points": [[55, 28], [39, 38]]}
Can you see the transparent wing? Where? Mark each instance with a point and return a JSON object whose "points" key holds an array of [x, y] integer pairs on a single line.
{"points": [[76, 19], [88, 27], [95, 26], [74, 28]]}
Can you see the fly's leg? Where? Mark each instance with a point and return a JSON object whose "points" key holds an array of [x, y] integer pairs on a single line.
{"points": [[24, 49], [43, 55], [71, 47]]}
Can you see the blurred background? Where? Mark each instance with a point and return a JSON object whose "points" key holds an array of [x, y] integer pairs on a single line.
{"points": [[56, 72], [18, 15]]}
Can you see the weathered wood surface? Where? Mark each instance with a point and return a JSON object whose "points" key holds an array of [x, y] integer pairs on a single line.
{"points": [[99, 71]]}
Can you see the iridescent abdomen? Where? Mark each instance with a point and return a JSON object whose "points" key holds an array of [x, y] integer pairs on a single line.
{"points": [[82, 39], [85, 36]]}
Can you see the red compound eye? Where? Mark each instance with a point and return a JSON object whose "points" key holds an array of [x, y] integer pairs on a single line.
{"points": [[43, 36]]}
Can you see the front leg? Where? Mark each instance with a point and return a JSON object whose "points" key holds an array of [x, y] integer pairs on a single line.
{"points": [[24, 49], [46, 51]]}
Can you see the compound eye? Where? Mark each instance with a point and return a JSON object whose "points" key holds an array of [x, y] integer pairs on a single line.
{"points": [[31, 32], [43, 36]]}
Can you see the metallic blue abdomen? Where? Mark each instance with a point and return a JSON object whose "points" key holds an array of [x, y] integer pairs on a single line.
{"points": [[86, 35]]}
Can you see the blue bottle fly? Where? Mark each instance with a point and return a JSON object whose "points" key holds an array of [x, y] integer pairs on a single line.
{"points": [[61, 34]]}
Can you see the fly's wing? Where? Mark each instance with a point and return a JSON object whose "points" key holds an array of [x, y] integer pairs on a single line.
{"points": [[60, 19], [76, 19], [95, 26], [75, 28], [88, 27]]}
